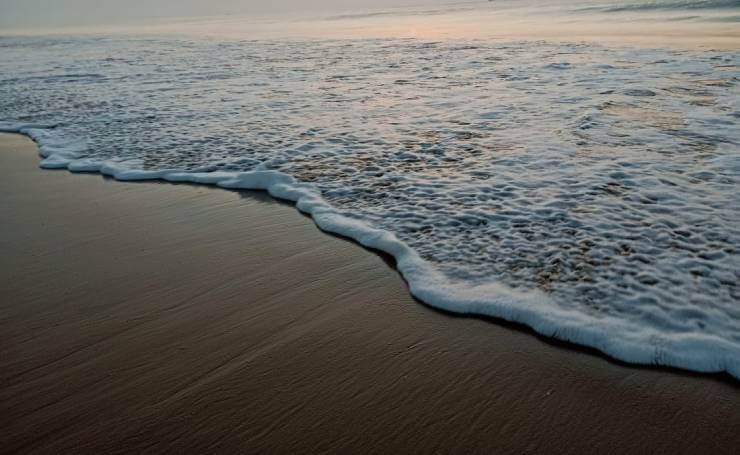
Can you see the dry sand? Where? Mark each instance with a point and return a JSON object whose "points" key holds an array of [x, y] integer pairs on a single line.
{"points": [[161, 317]]}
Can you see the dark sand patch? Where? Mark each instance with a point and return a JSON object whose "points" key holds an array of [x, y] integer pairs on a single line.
{"points": [[154, 317]]}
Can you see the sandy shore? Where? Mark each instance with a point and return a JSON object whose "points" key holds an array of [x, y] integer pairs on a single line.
{"points": [[152, 317]]}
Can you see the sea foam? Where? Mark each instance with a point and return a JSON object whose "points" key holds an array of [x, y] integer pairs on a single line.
{"points": [[531, 182]]}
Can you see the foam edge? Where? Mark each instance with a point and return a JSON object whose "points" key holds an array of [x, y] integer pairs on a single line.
{"points": [[611, 336]]}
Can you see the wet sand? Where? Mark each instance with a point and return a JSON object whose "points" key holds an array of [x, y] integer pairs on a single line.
{"points": [[149, 317]]}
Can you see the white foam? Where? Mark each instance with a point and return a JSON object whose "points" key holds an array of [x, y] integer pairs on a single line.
{"points": [[619, 339], [522, 181]]}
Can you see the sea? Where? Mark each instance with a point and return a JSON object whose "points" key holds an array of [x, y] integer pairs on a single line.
{"points": [[573, 166]]}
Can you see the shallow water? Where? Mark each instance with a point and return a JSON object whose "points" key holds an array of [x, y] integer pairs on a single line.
{"points": [[590, 191]]}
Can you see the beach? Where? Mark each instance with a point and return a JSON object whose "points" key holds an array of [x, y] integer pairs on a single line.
{"points": [[583, 190], [144, 317]]}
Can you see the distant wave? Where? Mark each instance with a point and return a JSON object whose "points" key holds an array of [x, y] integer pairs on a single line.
{"points": [[598, 6], [398, 12], [665, 5]]}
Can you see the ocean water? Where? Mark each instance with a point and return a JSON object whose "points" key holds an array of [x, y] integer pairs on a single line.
{"points": [[590, 191]]}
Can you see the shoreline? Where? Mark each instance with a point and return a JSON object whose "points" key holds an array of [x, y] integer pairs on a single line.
{"points": [[615, 339], [184, 316]]}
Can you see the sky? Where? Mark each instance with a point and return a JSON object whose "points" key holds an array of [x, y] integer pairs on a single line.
{"points": [[20, 13]]}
